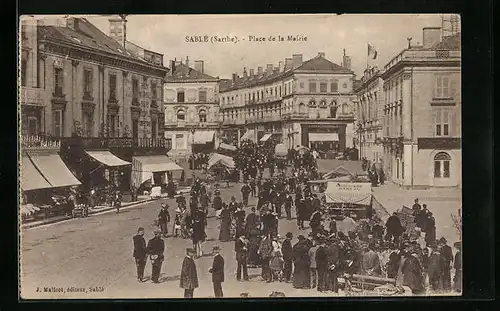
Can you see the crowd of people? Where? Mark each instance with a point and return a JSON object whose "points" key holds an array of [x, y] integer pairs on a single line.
{"points": [[335, 249]]}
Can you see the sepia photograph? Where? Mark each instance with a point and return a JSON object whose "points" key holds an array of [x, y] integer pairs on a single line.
{"points": [[239, 156]]}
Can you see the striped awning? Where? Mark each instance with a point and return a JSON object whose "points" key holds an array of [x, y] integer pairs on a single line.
{"points": [[323, 137], [266, 137], [203, 137], [107, 158]]}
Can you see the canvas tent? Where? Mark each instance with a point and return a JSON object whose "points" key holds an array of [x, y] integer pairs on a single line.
{"points": [[281, 150], [218, 158], [348, 192]]}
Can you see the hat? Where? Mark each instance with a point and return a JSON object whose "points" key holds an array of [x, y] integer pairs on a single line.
{"points": [[190, 250], [457, 244], [289, 235], [157, 232], [301, 237], [443, 240], [216, 248]]}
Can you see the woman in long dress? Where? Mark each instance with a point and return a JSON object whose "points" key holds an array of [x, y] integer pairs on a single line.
{"points": [[225, 225], [301, 275]]}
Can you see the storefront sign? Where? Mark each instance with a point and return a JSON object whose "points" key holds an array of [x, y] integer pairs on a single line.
{"points": [[348, 192], [439, 143]]}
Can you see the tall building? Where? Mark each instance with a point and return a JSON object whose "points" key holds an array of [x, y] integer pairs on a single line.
{"points": [[370, 115], [191, 108], [296, 103], [422, 113], [88, 92]]}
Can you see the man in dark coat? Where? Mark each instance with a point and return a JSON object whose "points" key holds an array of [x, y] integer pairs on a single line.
{"points": [[446, 259], [333, 259], [394, 228], [241, 250], [315, 221], [164, 219], [156, 247], [286, 250], [430, 230], [198, 235], [140, 253], [434, 268], [265, 252], [245, 192], [322, 266], [301, 213], [217, 271], [267, 221], [251, 221], [416, 207], [189, 275], [288, 206], [457, 264], [412, 273], [422, 217], [239, 217], [253, 187]]}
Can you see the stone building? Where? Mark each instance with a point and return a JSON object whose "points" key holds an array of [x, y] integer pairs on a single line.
{"points": [[370, 115], [422, 113], [295, 103], [191, 108]]}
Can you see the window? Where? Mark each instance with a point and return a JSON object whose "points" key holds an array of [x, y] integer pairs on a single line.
{"points": [[112, 87], [180, 96], [87, 83], [153, 91], [345, 108], [442, 122], [181, 115], [312, 87], [442, 165], [323, 87], [202, 96], [154, 130], [203, 116], [59, 81], [32, 126], [58, 121], [135, 89], [302, 108], [179, 141], [334, 87], [87, 119], [442, 89], [24, 66], [135, 128], [344, 85], [112, 126]]}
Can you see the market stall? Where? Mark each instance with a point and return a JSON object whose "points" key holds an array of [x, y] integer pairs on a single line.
{"points": [[352, 197]]}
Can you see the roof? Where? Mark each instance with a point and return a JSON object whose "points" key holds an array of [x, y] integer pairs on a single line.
{"points": [[183, 73], [88, 36], [329, 165], [316, 64], [357, 84], [224, 84], [449, 43]]}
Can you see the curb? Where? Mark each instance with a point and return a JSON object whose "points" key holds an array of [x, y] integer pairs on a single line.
{"points": [[91, 212]]}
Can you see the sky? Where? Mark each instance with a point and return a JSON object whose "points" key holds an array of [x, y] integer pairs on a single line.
{"points": [[330, 34]]}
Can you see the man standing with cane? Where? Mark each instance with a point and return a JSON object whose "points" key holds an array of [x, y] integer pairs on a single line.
{"points": [[140, 253], [156, 247], [217, 271]]}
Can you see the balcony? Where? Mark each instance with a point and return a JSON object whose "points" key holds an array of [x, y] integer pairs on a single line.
{"points": [[87, 97], [31, 96], [294, 115], [96, 143], [423, 55], [44, 142]]}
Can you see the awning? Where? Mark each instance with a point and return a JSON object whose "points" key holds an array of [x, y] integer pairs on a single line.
{"points": [[266, 137], [54, 170], [31, 178], [348, 192], [249, 134], [227, 147], [203, 137], [107, 158], [281, 150], [143, 167], [220, 158], [323, 137]]}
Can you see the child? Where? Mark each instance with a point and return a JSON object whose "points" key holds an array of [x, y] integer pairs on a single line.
{"points": [[276, 266], [177, 222]]}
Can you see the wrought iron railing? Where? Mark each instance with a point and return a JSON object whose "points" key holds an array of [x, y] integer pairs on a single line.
{"points": [[41, 141], [121, 142]]}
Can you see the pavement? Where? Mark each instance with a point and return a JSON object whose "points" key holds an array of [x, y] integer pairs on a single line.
{"points": [[442, 202]]}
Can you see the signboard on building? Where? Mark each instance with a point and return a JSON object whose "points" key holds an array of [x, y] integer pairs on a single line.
{"points": [[439, 143]]}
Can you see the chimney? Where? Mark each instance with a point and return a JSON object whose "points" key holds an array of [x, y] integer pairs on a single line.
{"points": [[281, 67], [321, 54], [235, 76], [296, 60], [252, 73], [432, 36], [259, 70], [269, 69], [187, 61], [245, 74], [73, 23], [346, 62], [199, 65], [118, 30], [288, 64], [172, 67]]}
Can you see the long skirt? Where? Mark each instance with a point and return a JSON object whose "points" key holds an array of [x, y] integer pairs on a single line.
{"points": [[301, 276], [253, 258], [225, 231]]}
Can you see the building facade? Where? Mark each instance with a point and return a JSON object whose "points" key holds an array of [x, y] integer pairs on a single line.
{"points": [[422, 113], [370, 115], [191, 108], [296, 103]]}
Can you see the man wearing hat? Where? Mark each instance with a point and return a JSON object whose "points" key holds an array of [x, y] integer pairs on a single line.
{"points": [[164, 219], [241, 250], [457, 264], [286, 249], [447, 258], [189, 275], [156, 247], [217, 271], [140, 253]]}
